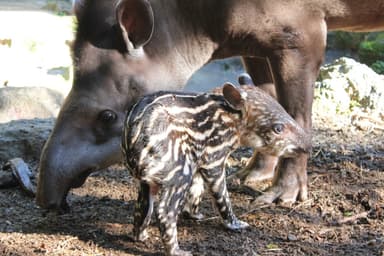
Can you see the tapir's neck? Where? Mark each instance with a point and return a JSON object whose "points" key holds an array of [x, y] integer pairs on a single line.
{"points": [[180, 44]]}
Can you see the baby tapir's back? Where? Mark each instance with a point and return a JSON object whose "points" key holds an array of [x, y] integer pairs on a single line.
{"points": [[176, 127]]}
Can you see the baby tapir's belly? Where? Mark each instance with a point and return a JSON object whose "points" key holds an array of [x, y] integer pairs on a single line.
{"points": [[173, 132]]}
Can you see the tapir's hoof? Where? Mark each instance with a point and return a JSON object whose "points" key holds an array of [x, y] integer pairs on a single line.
{"points": [[179, 252], [142, 236], [22, 174], [193, 216], [236, 224], [281, 195]]}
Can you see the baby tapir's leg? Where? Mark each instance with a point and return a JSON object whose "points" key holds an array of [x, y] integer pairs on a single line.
{"points": [[143, 211], [215, 178], [172, 197]]}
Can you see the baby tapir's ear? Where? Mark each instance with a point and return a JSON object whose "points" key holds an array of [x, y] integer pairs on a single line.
{"points": [[245, 79], [136, 21], [233, 96]]}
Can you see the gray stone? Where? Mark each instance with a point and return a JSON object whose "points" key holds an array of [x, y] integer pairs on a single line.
{"points": [[345, 85], [28, 103], [24, 138]]}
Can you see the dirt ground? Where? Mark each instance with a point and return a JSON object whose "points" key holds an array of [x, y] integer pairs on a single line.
{"points": [[343, 215]]}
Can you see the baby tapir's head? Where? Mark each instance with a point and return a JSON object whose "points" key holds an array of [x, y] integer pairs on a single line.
{"points": [[265, 125]]}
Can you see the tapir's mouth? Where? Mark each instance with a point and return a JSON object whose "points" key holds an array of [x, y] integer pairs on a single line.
{"points": [[294, 151], [62, 206]]}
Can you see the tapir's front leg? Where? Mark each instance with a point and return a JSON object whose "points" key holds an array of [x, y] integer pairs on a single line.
{"points": [[295, 71], [216, 181]]}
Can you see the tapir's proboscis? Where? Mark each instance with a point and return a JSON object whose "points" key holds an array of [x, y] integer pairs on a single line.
{"points": [[125, 49]]}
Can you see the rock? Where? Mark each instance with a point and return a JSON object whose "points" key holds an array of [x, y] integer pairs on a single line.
{"points": [[28, 103], [23, 175], [345, 85], [24, 138], [7, 180]]}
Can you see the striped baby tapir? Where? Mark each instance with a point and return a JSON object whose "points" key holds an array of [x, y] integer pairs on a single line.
{"points": [[172, 140]]}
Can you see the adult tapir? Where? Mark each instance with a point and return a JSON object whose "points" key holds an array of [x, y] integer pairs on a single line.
{"points": [[125, 49]]}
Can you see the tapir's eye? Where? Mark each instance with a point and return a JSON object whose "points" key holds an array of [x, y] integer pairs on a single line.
{"points": [[107, 116], [278, 128]]}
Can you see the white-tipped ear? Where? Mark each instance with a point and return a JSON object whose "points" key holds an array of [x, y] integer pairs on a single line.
{"points": [[77, 7], [136, 22], [233, 96]]}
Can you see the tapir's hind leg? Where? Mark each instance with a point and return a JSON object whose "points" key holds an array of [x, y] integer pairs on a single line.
{"points": [[143, 212], [172, 197]]}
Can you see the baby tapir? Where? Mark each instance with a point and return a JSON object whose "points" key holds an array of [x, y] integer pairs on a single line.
{"points": [[169, 138]]}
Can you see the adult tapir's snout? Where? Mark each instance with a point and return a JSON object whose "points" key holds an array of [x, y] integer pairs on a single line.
{"points": [[66, 161], [86, 138]]}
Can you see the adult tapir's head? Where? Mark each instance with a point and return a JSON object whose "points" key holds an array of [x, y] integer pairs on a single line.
{"points": [[115, 62]]}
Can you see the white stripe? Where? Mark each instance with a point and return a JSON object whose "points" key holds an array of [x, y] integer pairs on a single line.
{"points": [[138, 132], [176, 148], [215, 187], [171, 174], [160, 98], [210, 150], [172, 127], [160, 164], [175, 110], [214, 164]]}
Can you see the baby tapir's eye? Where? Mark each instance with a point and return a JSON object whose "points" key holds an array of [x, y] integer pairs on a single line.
{"points": [[278, 128], [107, 116]]}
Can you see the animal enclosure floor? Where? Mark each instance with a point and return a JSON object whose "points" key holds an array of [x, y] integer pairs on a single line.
{"points": [[343, 215]]}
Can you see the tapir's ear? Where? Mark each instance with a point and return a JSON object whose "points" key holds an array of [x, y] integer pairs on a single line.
{"points": [[136, 21], [245, 79], [77, 7], [233, 96]]}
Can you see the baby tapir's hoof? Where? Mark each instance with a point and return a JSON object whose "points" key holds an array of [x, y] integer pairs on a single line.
{"points": [[142, 236], [236, 224], [179, 252], [193, 215]]}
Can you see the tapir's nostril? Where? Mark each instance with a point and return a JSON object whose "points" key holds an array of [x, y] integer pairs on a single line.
{"points": [[306, 148]]}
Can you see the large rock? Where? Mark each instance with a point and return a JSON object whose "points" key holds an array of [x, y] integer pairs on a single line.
{"points": [[26, 120], [28, 103], [345, 85], [24, 138]]}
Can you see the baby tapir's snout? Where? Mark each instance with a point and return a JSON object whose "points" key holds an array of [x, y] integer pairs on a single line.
{"points": [[268, 128]]}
